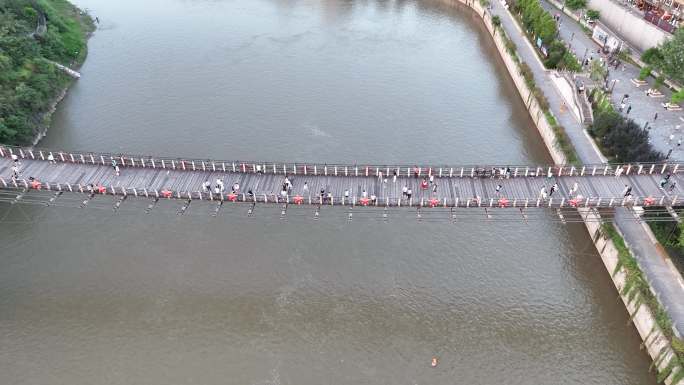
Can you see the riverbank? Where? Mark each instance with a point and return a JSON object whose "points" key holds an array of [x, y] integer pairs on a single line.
{"points": [[658, 342], [43, 32]]}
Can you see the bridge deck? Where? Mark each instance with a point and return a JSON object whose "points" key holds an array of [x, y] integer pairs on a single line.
{"points": [[457, 190]]}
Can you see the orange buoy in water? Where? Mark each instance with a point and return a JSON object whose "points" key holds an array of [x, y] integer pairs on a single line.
{"points": [[434, 362]]}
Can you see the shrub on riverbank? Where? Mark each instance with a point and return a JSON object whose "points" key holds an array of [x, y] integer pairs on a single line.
{"points": [[33, 33]]}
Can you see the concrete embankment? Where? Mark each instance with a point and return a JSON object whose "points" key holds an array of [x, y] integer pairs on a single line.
{"points": [[655, 341]]}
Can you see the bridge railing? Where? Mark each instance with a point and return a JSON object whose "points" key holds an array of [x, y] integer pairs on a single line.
{"points": [[336, 169], [425, 200]]}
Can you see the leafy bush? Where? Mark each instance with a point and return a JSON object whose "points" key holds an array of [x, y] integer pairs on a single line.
{"points": [[593, 14], [527, 74], [678, 96], [496, 20], [576, 4], [597, 71], [645, 73], [510, 46], [541, 99], [660, 80], [570, 62], [652, 56]]}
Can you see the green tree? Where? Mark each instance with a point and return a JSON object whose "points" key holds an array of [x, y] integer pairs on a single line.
{"points": [[28, 82], [623, 139], [545, 28], [672, 63], [570, 62], [604, 122], [597, 71], [31, 14], [652, 56], [556, 51]]}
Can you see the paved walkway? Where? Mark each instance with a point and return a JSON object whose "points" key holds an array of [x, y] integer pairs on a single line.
{"points": [[644, 107], [665, 282]]}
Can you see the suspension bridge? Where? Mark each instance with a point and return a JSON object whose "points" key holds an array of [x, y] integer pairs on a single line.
{"points": [[48, 176]]}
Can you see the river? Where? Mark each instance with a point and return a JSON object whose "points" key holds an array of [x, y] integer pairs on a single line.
{"points": [[96, 297]]}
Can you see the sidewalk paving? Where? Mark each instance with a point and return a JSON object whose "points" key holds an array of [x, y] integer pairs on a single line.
{"points": [[652, 262], [644, 107]]}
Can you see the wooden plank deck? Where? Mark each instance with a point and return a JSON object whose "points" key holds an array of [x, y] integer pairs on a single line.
{"points": [[463, 191]]}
